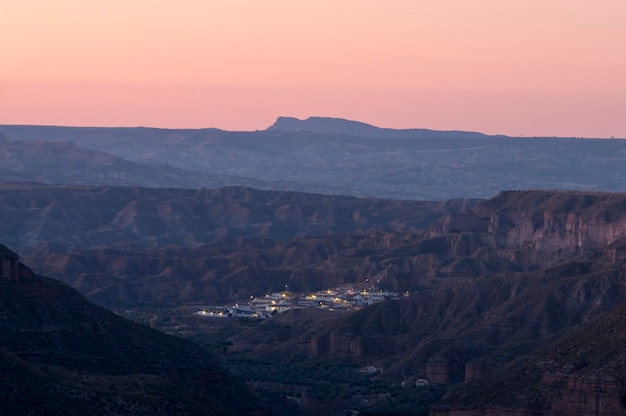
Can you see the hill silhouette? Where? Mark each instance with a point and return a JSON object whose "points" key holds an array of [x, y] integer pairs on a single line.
{"points": [[61, 355], [339, 126]]}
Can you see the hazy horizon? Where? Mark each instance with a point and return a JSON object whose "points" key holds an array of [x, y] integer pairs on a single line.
{"points": [[533, 69], [300, 119]]}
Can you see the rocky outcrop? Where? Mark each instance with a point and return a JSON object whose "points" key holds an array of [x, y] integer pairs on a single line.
{"points": [[542, 227], [475, 370], [575, 396], [9, 264], [439, 371], [580, 373]]}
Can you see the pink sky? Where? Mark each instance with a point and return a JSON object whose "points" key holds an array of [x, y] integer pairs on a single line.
{"points": [[536, 67]]}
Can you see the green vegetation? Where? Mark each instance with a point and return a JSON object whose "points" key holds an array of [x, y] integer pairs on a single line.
{"points": [[327, 381], [330, 382]]}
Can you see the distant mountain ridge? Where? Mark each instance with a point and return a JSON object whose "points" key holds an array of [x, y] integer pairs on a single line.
{"points": [[320, 125], [317, 155], [66, 162], [340, 126]]}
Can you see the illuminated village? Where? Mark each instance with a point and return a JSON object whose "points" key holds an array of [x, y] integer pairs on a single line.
{"points": [[343, 299]]}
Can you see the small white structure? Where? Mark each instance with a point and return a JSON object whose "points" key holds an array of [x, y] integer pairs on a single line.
{"points": [[421, 382], [370, 369]]}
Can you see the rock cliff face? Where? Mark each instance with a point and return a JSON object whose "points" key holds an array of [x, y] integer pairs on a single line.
{"points": [[9, 264], [541, 227], [585, 395], [582, 373]]}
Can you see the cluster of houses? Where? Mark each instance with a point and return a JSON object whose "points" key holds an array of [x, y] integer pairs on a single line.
{"points": [[340, 299]]}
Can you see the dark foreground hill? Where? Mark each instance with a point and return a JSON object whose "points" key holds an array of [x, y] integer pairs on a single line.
{"points": [[61, 355]]}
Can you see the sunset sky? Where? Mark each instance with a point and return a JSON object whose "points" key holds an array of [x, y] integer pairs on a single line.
{"points": [[534, 67]]}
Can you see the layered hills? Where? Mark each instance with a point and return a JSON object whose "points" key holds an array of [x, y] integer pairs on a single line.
{"points": [[541, 342], [510, 300], [61, 355], [96, 217], [222, 246], [580, 373], [61, 162], [324, 155], [171, 245]]}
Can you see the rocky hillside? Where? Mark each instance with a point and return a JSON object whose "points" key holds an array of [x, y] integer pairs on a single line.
{"points": [[90, 217], [512, 233], [539, 343], [542, 342], [479, 321], [542, 227], [61, 355], [580, 373]]}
